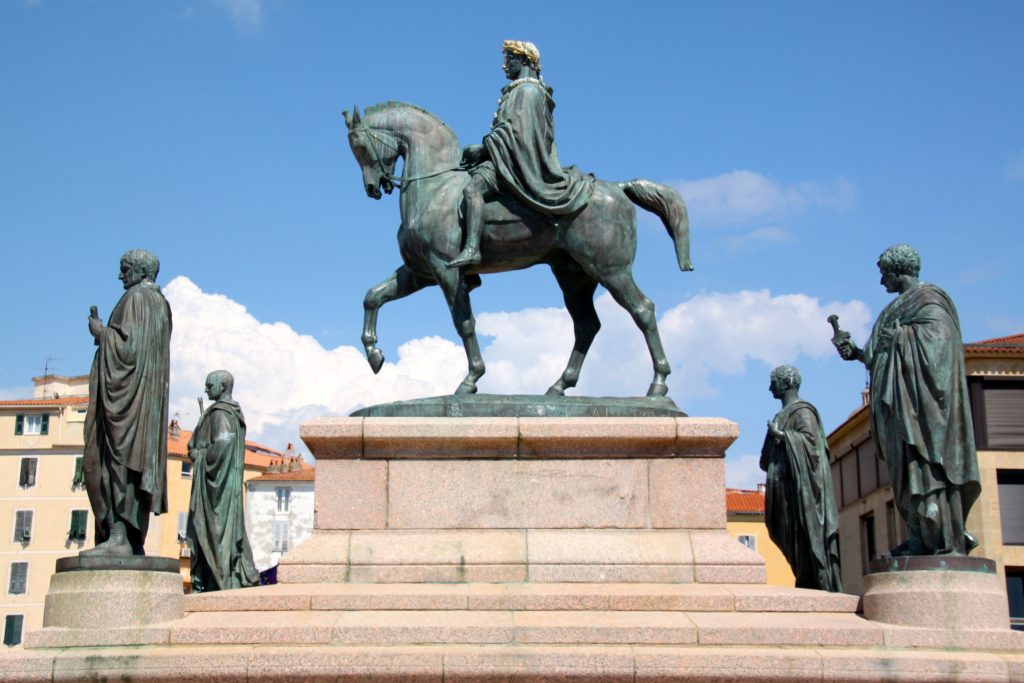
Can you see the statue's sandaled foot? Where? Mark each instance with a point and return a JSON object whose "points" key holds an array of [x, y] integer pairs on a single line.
{"points": [[970, 542], [376, 359], [910, 546], [467, 257], [115, 546]]}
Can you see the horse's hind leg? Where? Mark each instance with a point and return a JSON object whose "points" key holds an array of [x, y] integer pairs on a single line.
{"points": [[400, 283], [623, 288], [578, 290], [456, 293]]}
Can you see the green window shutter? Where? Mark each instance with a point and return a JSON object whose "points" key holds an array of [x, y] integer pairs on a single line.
{"points": [[45, 429], [79, 518], [28, 472], [19, 425], [12, 629], [79, 478], [19, 578]]}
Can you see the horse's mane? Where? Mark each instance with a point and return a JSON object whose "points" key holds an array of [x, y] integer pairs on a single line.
{"points": [[384, 107]]}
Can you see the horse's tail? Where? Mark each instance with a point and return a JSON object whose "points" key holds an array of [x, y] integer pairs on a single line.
{"points": [[670, 208]]}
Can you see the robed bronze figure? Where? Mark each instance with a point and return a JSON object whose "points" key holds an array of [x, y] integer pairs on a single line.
{"points": [[125, 457], [221, 555], [800, 505], [920, 412]]}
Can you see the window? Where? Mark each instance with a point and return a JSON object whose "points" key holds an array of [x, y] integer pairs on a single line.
{"points": [[182, 527], [837, 485], [12, 629], [27, 477], [78, 479], [281, 533], [868, 549], [1015, 595], [22, 526], [79, 520], [186, 469], [748, 540], [32, 425], [997, 406], [1011, 505], [848, 467], [284, 495], [17, 583]]}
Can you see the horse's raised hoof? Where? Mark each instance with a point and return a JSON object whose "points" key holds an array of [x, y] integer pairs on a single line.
{"points": [[376, 359], [657, 389]]}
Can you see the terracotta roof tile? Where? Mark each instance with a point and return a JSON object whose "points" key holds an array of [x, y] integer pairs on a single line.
{"points": [[44, 402], [744, 502], [298, 475], [1012, 344], [256, 455]]}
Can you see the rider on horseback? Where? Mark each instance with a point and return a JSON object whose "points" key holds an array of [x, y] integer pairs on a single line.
{"points": [[518, 157]]}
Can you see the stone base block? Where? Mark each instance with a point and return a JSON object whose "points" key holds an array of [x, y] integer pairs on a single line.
{"points": [[113, 599], [964, 599]]}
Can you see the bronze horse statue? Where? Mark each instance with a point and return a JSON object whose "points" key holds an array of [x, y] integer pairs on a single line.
{"points": [[595, 246]]}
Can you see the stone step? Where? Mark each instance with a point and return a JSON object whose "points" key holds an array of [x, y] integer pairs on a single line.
{"points": [[475, 627], [523, 596]]}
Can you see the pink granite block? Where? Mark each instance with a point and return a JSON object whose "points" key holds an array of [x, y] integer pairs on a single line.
{"points": [[604, 627], [415, 596], [219, 628], [597, 437], [937, 599], [354, 663], [540, 596], [753, 628], [398, 628], [436, 573], [503, 494], [982, 639], [323, 547], [450, 437], [719, 548], [726, 665], [312, 573], [196, 663], [704, 436], [18, 666], [56, 637], [351, 494], [765, 598], [463, 546], [605, 573], [729, 573], [279, 597], [538, 664], [876, 665], [669, 597], [609, 546], [687, 493], [330, 438], [1014, 665]]}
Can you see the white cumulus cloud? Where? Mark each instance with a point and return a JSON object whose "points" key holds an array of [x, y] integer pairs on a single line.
{"points": [[743, 197]]}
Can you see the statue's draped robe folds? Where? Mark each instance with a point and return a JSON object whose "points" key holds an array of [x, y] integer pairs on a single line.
{"points": [[521, 148], [125, 457], [221, 555], [800, 509], [920, 412]]}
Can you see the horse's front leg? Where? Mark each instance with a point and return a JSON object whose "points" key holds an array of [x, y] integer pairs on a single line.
{"points": [[456, 293], [578, 291], [399, 284]]}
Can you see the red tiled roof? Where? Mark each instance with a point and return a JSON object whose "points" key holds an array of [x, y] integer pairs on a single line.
{"points": [[48, 402], [298, 475], [256, 455], [744, 502], [1013, 343]]}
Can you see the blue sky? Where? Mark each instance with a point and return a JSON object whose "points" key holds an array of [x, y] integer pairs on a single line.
{"points": [[805, 137]]}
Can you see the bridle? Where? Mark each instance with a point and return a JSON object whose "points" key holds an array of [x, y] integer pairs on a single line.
{"points": [[387, 175]]}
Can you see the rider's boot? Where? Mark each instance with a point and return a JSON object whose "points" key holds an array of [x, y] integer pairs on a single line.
{"points": [[470, 254]]}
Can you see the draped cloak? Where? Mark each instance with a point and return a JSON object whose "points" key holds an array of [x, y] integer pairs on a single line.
{"points": [[521, 146], [920, 411], [125, 456], [221, 555], [800, 505]]}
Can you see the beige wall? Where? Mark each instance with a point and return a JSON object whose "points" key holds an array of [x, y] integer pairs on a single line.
{"points": [[776, 567]]}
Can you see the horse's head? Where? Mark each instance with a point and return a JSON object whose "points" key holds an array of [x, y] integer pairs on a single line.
{"points": [[376, 151]]}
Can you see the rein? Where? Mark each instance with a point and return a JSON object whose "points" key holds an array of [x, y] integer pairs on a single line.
{"points": [[397, 181]]}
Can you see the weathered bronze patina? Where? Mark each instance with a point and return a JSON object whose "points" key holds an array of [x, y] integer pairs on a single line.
{"points": [[221, 556], [920, 412], [583, 229], [800, 505], [125, 457]]}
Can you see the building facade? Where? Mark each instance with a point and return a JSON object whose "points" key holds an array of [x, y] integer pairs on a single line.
{"points": [[745, 522], [279, 511], [869, 524], [44, 504]]}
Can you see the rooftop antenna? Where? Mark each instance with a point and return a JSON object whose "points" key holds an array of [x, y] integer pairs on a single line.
{"points": [[47, 367]]}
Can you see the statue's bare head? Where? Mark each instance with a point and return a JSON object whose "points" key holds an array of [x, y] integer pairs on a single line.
{"points": [[219, 383], [138, 265], [784, 378], [900, 265]]}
